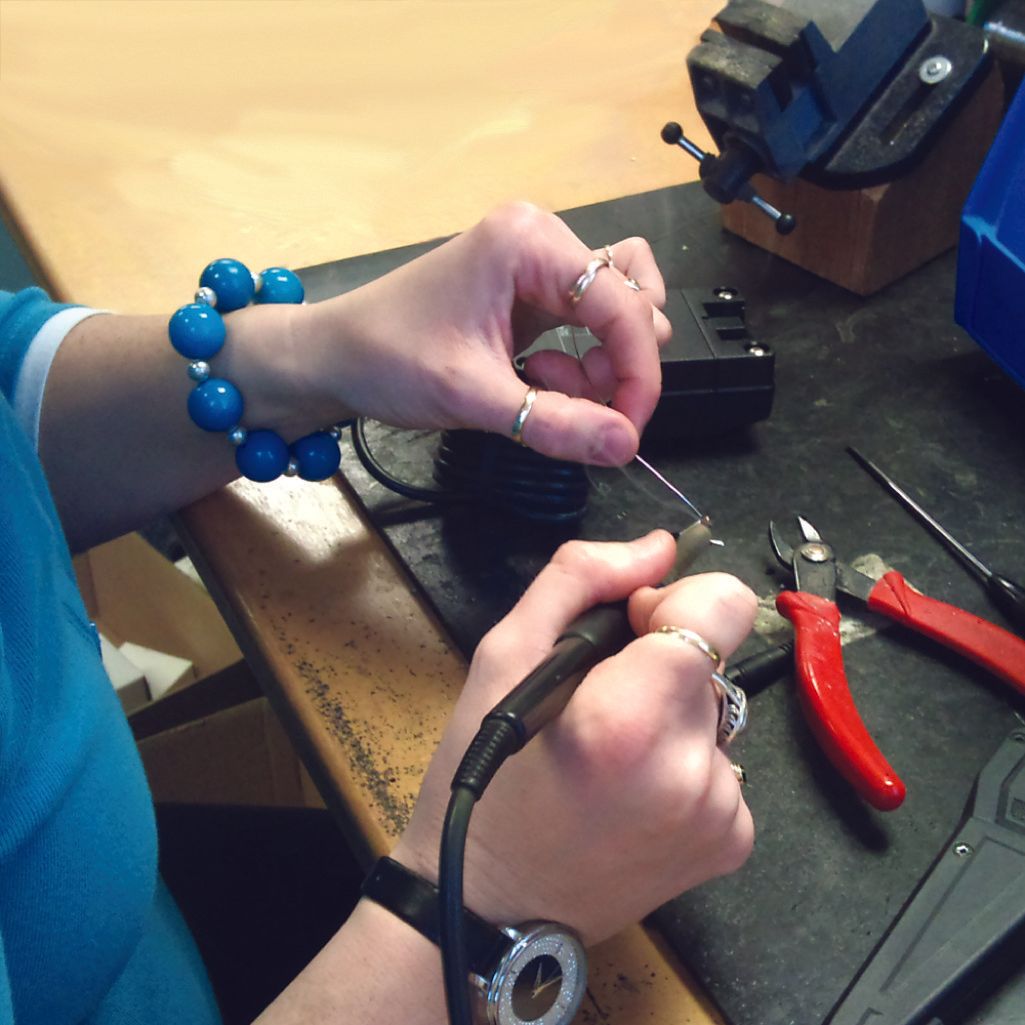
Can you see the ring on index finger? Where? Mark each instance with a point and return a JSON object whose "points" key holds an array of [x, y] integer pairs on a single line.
{"points": [[586, 279], [693, 638], [521, 416]]}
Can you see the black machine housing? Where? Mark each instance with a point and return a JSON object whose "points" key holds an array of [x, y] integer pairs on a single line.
{"points": [[716, 378]]}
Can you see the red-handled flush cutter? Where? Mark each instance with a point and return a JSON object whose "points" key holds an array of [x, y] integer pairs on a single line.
{"points": [[821, 680]]}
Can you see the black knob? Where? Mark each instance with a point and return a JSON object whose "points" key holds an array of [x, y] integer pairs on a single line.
{"points": [[672, 133], [785, 224]]}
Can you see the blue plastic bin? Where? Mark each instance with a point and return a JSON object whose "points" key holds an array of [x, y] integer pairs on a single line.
{"points": [[990, 301]]}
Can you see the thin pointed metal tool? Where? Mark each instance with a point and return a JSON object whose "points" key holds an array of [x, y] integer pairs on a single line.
{"points": [[1006, 594], [691, 541], [672, 487]]}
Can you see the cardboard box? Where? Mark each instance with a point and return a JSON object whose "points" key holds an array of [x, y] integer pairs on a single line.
{"points": [[240, 755], [211, 738], [127, 678], [134, 594]]}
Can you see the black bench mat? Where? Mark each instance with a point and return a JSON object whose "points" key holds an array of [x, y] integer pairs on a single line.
{"points": [[777, 943]]}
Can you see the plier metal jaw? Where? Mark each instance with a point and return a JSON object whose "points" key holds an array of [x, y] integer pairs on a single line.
{"points": [[821, 680], [813, 563]]}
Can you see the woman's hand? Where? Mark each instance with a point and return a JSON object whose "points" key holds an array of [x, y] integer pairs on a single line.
{"points": [[624, 801], [431, 345]]}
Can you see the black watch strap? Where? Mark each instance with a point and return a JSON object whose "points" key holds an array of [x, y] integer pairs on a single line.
{"points": [[416, 901]]}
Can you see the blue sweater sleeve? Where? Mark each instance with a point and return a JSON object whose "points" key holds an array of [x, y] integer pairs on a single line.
{"points": [[22, 314]]}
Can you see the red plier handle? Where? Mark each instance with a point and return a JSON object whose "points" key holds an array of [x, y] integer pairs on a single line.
{"points": [[826, 699], [985, 643]]}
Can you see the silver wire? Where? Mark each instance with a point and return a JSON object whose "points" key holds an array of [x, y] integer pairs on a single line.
{"points": [[672, 487]]}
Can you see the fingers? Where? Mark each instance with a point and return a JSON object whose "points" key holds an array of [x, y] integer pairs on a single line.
{"points": [[590, 376], [660, 686], [581, 574], [549, 262], [634, 259], [580, 430], [716, 606], [672, 675], [623, 320]]}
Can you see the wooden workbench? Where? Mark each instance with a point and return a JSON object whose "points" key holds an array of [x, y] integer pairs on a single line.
{"points": [[142, 140]]}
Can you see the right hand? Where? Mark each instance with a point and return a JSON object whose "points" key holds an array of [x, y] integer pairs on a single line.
{"points": [[624, 801]]}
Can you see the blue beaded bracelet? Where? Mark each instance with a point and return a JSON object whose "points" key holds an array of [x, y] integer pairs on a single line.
{"points": [[197, 332]]}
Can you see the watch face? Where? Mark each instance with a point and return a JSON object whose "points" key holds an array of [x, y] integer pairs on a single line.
{"points": [[541, 979]]}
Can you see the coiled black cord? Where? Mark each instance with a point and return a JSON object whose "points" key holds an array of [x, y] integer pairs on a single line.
{"points": [[489, 469]]}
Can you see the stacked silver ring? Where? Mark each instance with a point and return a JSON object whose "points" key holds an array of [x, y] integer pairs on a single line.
{"points": [[732, 699], [584, 282], [732, 708]]}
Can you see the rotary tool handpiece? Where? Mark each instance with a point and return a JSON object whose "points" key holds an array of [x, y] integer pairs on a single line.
{"points": [[543, 693], [588, 640]]}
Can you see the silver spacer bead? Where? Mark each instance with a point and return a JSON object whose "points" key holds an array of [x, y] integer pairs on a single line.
{"points": [[335, 432], [199, 370], [293, 467], [206, 295], [257, 281], [237, 435]]}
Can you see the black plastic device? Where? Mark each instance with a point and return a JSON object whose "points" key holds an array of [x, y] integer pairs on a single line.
{"points": [[716, 378], [965, 924]]}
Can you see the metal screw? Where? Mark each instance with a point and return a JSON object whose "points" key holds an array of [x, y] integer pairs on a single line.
{"points": [[724, 292], [934, 69], [815, 551], [963, 850]]}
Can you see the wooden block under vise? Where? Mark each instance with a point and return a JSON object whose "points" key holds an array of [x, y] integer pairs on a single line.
{"points": [[864, 239]]}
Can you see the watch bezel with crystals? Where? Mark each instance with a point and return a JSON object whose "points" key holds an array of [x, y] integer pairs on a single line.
{"points": [[530, 941]]}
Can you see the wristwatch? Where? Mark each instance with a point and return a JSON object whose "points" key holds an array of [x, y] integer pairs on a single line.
{"points": [[532, 973]]}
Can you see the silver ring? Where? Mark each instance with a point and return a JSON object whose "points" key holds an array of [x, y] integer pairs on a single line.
{"points": [[521, 416], [740, 772], [583, 283], [607, 250], [732, 709], [632, 284], [693, 638]]}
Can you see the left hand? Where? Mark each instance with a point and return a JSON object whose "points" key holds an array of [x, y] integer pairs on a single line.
{"points": [[431, 344]]}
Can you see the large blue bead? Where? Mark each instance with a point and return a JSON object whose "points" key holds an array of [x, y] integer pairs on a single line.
{"points": [[280, 285], [196, 331], [232, 281], [262, 457], [318, 455], [215, 405]]}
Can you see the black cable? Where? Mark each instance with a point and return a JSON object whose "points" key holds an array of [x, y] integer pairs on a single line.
{"points": [[489, 469], [536, 700], [382, 476], [455, 962], [497, 739], [754, 673]]}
